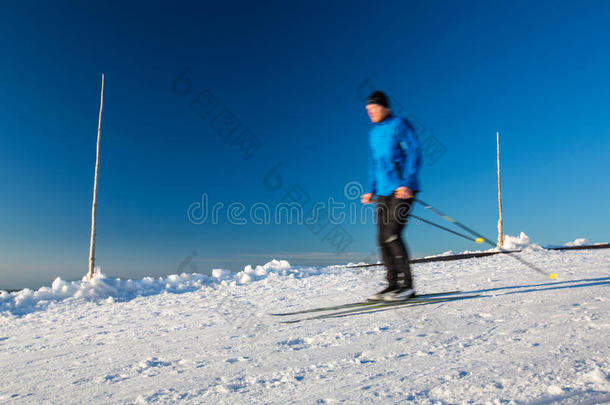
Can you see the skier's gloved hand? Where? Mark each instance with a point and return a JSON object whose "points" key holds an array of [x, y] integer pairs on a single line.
{"points": [[403, 193], [366, 198]]}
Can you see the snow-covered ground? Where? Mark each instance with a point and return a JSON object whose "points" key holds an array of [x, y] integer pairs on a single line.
{"points": [[199, 339]]}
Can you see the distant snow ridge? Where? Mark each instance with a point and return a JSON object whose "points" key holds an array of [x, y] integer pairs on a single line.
{"points": [[114, 289]]}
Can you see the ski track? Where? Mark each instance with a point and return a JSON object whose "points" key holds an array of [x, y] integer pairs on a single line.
{"points": [[527, 340]]}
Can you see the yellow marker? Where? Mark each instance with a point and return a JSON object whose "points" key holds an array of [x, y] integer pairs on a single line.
{"points": [[448, 218], [553, 276], [479, 240]]}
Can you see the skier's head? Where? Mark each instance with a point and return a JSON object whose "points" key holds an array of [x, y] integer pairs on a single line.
{"points": [[377, 106]]}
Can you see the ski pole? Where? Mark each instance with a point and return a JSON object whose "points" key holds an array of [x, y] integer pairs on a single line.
{"points": [[448, 218], [477, 240]]}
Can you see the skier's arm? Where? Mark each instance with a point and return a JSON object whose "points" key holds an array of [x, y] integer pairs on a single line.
{"points": [[409, 143]]}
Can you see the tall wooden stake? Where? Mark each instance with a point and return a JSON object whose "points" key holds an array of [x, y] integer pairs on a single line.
{"points": [[94, 205], [500, 234]]}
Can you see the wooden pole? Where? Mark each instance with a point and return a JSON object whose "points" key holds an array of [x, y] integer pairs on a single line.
{"points": [[94, 205], [500, 234]]}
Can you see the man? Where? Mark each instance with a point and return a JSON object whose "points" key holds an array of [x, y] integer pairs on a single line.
{"points": [[394, 163]]}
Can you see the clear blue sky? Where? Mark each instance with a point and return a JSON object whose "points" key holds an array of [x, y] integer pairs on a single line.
{"points": [[293, 74]]}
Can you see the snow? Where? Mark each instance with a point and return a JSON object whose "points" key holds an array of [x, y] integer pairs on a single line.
{"points": [[518, 242], [193, 338], [510, 243], [578, 242], [102, 288]]}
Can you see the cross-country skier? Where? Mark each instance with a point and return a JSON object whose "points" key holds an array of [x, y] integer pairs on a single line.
{"points": [[394, 163]]}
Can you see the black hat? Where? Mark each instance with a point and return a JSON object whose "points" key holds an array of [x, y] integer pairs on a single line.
{"points": [[378, 97]]}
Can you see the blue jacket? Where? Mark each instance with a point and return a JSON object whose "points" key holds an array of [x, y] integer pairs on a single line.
{"points": [[394, 156]]}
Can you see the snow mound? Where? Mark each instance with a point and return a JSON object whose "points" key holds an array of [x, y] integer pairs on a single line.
{"points": [[104, 289], [578, 242], [252, 274], [97, 289], [519, 242], [101, 288]]}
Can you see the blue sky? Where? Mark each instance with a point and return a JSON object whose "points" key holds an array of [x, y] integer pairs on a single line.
{"points": [[294, 75]]}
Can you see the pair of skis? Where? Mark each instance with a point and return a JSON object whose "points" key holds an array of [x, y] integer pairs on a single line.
{"points": [[362, 307]]}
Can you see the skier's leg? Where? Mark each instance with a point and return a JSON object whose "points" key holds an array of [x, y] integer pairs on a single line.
{"points": [[383, 232], [399, 211]]}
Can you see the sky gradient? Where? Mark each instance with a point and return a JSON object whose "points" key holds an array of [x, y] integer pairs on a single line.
{"points": [[294, 76]]}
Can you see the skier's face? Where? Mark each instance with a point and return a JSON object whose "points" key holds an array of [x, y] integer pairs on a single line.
{"points": [[377, 113]]}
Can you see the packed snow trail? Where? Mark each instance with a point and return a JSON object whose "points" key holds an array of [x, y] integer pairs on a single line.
{"points": [[200, 339], [355, 304]]}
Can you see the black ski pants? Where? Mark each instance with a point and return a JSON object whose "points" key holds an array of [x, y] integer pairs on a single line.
{"points": [[392, 214]]}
